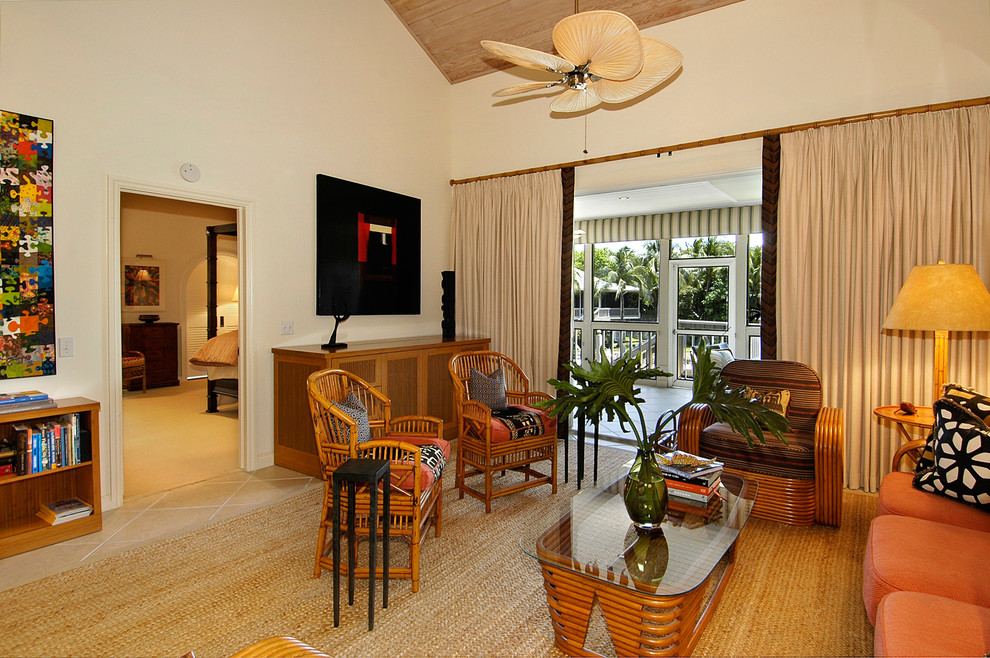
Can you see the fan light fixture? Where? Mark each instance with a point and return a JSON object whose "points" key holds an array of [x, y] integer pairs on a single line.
{"points": [[603, 59]]}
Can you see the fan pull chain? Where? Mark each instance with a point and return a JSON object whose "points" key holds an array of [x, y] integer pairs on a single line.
{"points": [[586, 134]]}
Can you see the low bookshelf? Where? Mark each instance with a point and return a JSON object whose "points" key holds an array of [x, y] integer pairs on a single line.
{"points": [[21, 496]]}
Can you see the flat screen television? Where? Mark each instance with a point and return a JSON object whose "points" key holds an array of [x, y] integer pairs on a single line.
{"points": [[367, 250]]}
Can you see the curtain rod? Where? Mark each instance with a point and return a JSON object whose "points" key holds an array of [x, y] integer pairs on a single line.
{"points": [[951, 105]]}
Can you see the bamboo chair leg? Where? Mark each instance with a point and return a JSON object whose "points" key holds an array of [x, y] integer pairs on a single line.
{"points": [[319, 549], [488, 492], [414, 563]]}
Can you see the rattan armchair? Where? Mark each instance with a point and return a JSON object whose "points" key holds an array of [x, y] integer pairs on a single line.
{"points": [[415, 490], [799, 483], [484, 447], [133, 367]]}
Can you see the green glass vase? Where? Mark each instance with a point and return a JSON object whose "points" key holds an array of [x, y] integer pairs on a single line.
{"points": [[645, 492]]}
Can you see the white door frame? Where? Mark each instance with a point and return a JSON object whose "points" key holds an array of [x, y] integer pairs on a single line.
{"points": [[675, 263], [113, 432]]}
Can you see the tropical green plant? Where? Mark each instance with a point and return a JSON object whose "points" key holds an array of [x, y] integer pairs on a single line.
{"points": [[609, 388]]}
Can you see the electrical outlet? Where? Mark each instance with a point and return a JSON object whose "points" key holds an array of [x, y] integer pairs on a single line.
{"points": [[286, 327], [65, 347]]}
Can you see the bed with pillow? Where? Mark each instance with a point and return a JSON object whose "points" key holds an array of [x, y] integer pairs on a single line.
{"points": [[219, 356]]}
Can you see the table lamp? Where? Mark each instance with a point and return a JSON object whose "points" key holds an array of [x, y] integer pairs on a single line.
{"points": [[941, 298]]}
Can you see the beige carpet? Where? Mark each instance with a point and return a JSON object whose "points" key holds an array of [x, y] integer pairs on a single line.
{"points": [[170, 440], [795, 591]]}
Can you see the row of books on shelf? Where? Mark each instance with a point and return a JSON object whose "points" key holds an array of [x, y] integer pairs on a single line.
{"points": [[64, 511], [35, 447]]}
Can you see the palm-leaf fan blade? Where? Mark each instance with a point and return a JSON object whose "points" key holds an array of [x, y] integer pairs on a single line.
{"points": [[609, 42], [661, 62], [527, 57], [524, 87], [574, 100]]}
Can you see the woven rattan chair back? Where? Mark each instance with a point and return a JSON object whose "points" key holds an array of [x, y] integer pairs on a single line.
{"points": [[336, 432], [485, 362]]}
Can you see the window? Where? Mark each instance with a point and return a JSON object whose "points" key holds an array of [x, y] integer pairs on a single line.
{"points": [[626, 278], [754, 283], [716, 246]]}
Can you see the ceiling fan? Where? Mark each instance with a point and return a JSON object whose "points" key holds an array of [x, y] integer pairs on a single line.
{"points": [[603, 58]]}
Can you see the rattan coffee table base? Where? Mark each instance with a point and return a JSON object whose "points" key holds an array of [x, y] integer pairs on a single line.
{"points": [[639, 624]]}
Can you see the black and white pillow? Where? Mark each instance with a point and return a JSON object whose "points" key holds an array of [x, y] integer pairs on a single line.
{"points": [[489, 390], [969, 399], [432, 456], [356, 411], [961, 456]]}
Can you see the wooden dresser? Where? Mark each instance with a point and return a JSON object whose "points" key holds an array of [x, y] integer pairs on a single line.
{"points": [[412, 372], [159, 342]]}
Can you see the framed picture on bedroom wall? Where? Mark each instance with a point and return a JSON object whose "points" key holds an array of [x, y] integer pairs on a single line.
{"points": [[142, 284]]}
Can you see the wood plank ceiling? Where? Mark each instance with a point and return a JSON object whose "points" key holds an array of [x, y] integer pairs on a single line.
{"points": [[450, 30]]}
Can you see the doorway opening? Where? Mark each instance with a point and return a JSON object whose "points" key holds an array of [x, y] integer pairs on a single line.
{"points": [[167, 439]]}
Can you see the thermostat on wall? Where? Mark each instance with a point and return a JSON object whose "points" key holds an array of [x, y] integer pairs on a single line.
{"points": [[189, 172]]}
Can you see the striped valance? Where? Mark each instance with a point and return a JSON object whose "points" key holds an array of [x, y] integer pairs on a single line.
{"points": [[688, 224]]}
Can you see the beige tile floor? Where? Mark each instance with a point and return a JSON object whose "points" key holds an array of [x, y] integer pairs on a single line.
{"points": [[153, 517]]}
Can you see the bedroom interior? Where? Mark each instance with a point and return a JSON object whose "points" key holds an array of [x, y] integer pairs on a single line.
{"points": [[264, 96], [179, 430]]}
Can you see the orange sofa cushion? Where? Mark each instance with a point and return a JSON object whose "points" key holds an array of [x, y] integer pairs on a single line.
{"points": [[898, 496], [913, 624], [906, 554]]}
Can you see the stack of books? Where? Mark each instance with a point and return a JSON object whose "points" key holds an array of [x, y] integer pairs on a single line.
{"points": [[691, 480], [64, 511], [24, 401]]}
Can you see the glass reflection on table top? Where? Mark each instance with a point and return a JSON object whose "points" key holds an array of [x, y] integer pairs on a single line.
{"points": [[591, 534]]}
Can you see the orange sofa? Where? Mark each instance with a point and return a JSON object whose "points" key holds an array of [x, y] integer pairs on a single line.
{"points": [[925, 568]]}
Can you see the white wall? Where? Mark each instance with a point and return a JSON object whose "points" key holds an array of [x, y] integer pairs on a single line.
{"points": [[262, 96], [749, 66]]}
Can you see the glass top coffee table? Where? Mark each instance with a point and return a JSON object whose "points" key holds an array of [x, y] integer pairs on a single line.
{"points": [[656, 592]]}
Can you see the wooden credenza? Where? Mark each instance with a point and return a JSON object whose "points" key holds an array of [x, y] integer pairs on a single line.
{"points": [[412, 372], [159, 342]]}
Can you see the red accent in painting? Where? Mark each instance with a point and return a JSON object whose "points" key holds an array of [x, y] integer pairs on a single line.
{"points": [[362, 239]]}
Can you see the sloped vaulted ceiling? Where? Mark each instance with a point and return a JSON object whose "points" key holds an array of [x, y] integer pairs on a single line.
{"points": [[450, 31]]}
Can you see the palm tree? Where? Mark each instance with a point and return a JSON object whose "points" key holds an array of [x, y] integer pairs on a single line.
{"points": [[629, 274]]}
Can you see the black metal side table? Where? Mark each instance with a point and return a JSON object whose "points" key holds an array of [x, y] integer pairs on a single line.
{"points": [[369, 472]]}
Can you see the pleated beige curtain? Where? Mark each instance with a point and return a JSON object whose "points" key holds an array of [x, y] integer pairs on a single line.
{"points": [[505, 251], [860, 205]]}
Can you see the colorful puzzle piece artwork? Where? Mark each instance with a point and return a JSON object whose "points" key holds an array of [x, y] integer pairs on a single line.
{"points": [[27, 279]]}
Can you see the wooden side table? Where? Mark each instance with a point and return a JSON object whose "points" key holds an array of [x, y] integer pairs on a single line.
{"points": [[923, 420], [369, 472]]}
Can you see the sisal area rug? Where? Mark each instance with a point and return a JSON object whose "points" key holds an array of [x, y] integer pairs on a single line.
{"points": [[794, 591]]}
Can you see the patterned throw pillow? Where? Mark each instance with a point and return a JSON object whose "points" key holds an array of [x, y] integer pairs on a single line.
{"points": [[356, 411], [488, 390], [772, 400], [432, 456], [961, 450], [969, 399]]}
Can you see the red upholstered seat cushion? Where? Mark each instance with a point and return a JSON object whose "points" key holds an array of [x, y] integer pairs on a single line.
{"points": [[426, 474], [913, 624], [906, 554], [501, 433], [796, 460], [132, 361], [898, 496]]}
